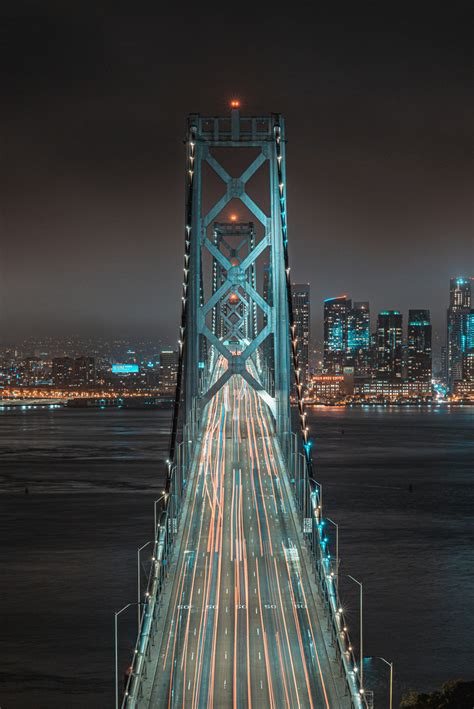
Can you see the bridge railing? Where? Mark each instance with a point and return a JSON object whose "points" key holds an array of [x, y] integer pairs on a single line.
{"points": [[165, 533], [308, 495]]}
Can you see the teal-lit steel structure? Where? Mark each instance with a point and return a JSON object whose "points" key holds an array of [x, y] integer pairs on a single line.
{"points": [[265, 135], [237, 319]]}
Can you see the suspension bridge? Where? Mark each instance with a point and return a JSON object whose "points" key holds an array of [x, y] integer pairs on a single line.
{"points": [[241, 607]]}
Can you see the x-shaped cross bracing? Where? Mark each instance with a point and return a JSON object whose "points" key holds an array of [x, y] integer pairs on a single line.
{"points": [[236, 279]]}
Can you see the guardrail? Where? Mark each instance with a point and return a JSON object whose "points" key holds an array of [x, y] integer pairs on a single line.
{"points": [[309, 501], [308, 495], [165, 533]]}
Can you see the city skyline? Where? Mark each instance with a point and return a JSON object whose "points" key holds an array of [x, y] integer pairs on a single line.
{"points": [[393, 361], [316, 323]]}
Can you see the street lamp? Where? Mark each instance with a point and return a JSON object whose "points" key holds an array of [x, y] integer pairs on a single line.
{"points": [[155, 516], [320, 489], [116, 651], [360, 634], [390, 664], [337, 551], [152, 541]]}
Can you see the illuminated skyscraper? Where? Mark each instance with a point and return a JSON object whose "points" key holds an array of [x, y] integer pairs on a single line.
{"points": [[336, 314], [302, 320], [419, 347], [358, 338], [458, 312], [389, 345], [459, 293], [468, 347]]}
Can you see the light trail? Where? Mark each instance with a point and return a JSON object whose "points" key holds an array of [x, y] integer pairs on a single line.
{"points": [[237, 631]]}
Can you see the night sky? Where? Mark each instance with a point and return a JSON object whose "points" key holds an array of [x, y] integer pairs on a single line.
{"points": [[378, 104]]}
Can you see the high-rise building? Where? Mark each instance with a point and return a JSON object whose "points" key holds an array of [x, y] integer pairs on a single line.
{"points": [[84, 371], [168, 371], [358, 338], [460, 293], [419, 347], [33, 371], [62, 371], [336, 313], [458, 310], [389, 345], [302, 321], [444, 362], [468, 347]]}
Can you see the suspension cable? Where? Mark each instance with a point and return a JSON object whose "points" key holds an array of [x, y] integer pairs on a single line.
{"points": [[191, 145], [294, 341]]}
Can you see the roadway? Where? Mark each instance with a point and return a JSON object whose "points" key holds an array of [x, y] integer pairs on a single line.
{"points": [[241, 628]]}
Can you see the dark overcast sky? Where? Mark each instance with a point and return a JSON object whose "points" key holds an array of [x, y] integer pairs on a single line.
{"points": [[378, 103]]}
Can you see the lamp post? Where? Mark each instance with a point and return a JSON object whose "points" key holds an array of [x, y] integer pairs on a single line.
{"points": [[390, 664], [360, 634], [152, 541], [116, 650], [155, 516], [337, 552], [320, 489]]}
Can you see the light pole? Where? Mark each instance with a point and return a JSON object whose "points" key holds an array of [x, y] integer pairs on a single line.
{"points": [[337, 552], [390, 664], [116, 651], [152, 541], [155, 516], [360, 634], [320, 489]]}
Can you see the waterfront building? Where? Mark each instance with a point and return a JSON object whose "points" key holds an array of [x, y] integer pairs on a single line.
{"points": [[330, 388], [302, 322], [368, 389], [389, 345], [457, 322], [419, 352], [336, 314]]}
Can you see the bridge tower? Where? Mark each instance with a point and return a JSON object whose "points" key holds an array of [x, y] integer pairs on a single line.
{"points": [[235, 278]]}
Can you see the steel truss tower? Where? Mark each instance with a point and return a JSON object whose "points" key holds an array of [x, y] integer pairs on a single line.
{"points": [[234, 278], [236, 319]]}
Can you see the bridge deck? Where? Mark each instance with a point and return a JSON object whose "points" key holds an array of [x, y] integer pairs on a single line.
{"points": [[241, 627]]}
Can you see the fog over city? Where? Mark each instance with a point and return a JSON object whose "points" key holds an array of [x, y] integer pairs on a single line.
{"points": [[379, 115]]}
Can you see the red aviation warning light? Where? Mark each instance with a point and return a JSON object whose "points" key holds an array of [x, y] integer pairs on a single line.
{"points": [[235, 103]]}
